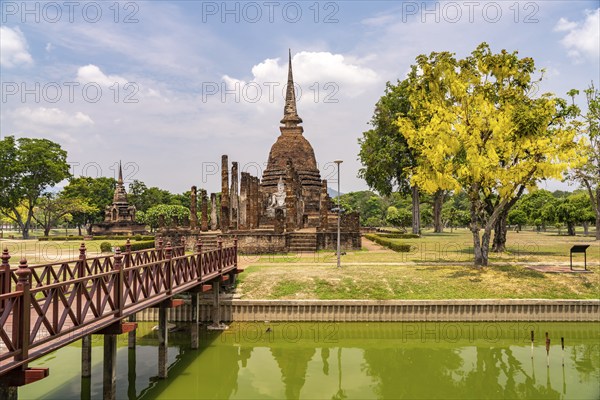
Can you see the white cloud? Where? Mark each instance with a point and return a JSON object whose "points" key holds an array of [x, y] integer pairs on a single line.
{"points": [[49, 47], [91, 73], [582, 38], [14, 50], [51, 117]]}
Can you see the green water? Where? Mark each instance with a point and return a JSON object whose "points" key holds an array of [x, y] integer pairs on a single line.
{"points": [[343, 360]]}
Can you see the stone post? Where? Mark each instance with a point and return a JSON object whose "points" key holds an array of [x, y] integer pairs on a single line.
{"points": [[214, 223], [243, 201], [224, 194], [193, 208], [233, 197], [323, 207], [204, 209]]}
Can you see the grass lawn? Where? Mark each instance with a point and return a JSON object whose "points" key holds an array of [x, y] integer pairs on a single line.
{"points": [[439, 266]]}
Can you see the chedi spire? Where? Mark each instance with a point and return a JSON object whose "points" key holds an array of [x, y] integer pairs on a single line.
{"points": [[290, 113]]}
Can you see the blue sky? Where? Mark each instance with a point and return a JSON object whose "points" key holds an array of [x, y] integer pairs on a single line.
{"points": [[168, 87]]}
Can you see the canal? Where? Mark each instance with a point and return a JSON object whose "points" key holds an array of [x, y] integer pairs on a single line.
{"points": [[293, 360]]}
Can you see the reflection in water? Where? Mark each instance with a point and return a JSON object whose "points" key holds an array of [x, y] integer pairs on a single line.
{"points": [[387, 361]]}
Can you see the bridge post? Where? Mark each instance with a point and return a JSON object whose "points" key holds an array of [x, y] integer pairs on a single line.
{"points": [[80, 285], [163, 341], [216, 289], [4, 275], [86, 356], [131, 376], [119, 284], [132, 318], [199, 257], [195, 320], [22, 314], [109, 381]]}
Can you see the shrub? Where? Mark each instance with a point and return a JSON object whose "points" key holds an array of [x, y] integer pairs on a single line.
{"points": [[105, 247], [59, 238], [142, 245], [389, 243], [398, 235]]}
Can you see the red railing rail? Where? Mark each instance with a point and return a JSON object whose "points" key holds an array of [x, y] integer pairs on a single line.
{"points": [[35, 320]]}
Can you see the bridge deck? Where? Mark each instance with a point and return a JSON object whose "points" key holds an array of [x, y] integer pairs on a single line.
{"points": [[43, 308]]}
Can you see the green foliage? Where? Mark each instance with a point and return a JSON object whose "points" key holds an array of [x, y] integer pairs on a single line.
{"points": [[398, 235], [144, 198], [59, 238], [97, 193], [29, 167], [105, 247], [384, 152], [477, 127], [169, 212], [142, 245], [389, 243], [398, 217]]}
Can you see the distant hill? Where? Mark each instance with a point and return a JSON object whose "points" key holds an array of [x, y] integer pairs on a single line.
{"points": [[333, 193]]}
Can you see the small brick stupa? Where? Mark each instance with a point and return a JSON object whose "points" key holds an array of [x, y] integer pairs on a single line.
{"points": [[119, 217]]}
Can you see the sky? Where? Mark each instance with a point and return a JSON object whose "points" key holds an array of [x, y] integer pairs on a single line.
{"points": [[168, 87]]}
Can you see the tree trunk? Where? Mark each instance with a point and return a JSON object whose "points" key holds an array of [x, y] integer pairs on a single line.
{"points": [[570, 229], [598, 212], [47, 231], [586, 228], [500, 230], [416, 211], [438, 201], [79, 229]]}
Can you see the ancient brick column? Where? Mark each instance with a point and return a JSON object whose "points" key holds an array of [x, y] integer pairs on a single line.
{"points": [[214, 223], [291, 213], [204, 209], [193, 210], [233, 197], [224, 194], [257, 201], [243, 201], [323, 207]]}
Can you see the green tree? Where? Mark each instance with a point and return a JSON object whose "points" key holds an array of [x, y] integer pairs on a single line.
{"points": [[96, 193], [398, 217], [575, 209], [171, 213], [143, 197], [478, 128], [588, 174], [384, 153], [51, 209], [29, 167]]}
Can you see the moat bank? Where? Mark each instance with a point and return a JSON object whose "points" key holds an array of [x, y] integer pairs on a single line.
{"points": [[390, 310]]}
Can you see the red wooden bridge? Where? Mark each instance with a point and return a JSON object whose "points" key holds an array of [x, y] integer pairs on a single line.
{"points": [[46, 307]]}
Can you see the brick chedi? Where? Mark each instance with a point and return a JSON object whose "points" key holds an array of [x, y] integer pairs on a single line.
{"points": [[292, 145], [119, 217]]}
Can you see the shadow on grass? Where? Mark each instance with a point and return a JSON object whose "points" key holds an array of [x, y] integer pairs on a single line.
{"points": [[519, 272]]}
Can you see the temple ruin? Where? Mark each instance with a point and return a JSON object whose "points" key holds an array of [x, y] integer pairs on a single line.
{"points": [[288, 210]]}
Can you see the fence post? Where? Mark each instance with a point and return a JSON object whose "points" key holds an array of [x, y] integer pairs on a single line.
{"points": [[22, 314], [81, 284], [118, 288], [159, 247], [235, 251], [168, 264], [199, 257], [220, 247], [127, 253], [5, 282]]}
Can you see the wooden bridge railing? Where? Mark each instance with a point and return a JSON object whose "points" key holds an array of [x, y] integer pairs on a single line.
{"points": [[43, 314]]}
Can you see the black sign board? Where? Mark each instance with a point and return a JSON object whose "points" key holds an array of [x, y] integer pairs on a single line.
{"points": [[580, 248]]}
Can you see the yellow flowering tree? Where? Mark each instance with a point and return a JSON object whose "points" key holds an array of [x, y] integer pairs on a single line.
{"points": [[479, 127]]}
